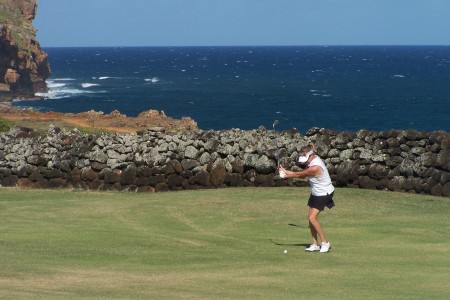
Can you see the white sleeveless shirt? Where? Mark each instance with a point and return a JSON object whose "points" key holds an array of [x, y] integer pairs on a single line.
{"points": [[320, 185]]}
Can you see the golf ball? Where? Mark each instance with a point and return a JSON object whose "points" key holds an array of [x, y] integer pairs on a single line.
{"points": [[285, 251]]}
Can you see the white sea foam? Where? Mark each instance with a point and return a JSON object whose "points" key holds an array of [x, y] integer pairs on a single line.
{"points": [[152, 80], [62, 79], [62, 93], [52, 85], [88, 85], [399, 76], [58, 90]]}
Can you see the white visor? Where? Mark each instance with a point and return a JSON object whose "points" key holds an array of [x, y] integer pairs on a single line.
{"points": [[304, 158]]}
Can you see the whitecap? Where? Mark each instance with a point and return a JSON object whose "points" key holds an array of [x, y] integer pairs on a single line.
{"points": [[399, 76], [64, 93], [88, 85], [62, 79], [52, 85], [152, 80]]}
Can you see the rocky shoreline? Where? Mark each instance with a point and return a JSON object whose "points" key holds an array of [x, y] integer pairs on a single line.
{"points": [[95, 120], [155, 160]]}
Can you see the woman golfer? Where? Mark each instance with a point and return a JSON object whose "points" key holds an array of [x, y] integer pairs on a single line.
{"points": [[322, 191]]}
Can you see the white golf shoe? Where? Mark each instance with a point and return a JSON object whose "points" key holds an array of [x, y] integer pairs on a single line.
{"points": [[312, 248], [325, 247]]}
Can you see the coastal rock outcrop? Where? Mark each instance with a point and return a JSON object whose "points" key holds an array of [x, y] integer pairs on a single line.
{"points": [[23, 65]]}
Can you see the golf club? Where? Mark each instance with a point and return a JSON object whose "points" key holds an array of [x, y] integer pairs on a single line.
{"points": [[277, 152]]}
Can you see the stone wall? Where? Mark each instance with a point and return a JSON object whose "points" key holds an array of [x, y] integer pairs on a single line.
{"points": [[153, 160]]}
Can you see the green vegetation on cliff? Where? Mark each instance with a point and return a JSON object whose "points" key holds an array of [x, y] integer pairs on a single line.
{"points": [[5, 125], [17, 19], [23, 65]]}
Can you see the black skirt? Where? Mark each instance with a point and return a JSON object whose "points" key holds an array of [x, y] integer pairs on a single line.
{"points": [[319, 202]]}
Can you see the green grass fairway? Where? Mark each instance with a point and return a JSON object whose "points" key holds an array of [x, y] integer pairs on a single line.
{"points": [[221, 244]]}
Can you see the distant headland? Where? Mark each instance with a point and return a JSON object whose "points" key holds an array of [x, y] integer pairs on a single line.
{"points": [[24, 66]]}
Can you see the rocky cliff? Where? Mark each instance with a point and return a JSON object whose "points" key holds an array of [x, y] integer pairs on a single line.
{"points": [[23, 65]]}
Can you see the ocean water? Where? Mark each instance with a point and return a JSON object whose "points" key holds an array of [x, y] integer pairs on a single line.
{"points": [[344, 88]]}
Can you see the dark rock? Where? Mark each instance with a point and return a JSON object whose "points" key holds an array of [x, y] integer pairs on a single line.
{"points": [[397, 183], [201, 178], [217, 174], [24, 183], [96, 166], [10, 181], [377, 171], [446, 190], [143, 171], [94, 184], [406, 168], [443, 160], [111, 177], [366, 182], [161, 187], [87, 174], [142, 181], [154, 180], [57, 183], [265, 180], [145, 189], [346, 172], [128, 176], [189, 164], [437, 190], [176, 180]]}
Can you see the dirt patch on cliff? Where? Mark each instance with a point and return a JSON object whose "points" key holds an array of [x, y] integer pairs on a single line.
{"points": [[95, 121]]}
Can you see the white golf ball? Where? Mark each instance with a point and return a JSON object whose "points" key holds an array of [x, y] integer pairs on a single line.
{"points": [[285, 251]]}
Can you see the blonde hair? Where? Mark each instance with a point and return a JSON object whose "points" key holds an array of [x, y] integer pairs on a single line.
{"points": [[307, 148]]}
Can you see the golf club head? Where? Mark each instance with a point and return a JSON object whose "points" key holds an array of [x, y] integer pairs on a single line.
{"points": [[277, 177]]}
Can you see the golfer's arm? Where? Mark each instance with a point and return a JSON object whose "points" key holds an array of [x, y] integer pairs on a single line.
{"points": [[302, 174]]}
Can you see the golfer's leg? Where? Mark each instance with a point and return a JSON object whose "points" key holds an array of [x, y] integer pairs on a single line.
{"points": [[312, 216], [313, 230]]}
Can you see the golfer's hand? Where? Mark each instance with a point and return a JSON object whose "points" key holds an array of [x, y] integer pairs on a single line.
{"points": [[283, 172]]}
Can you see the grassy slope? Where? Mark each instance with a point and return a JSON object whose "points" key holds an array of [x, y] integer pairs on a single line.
{"points": [[224, 244]]}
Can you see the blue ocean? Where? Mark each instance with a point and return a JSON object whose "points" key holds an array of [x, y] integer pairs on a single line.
{"points": [[344, 88]]}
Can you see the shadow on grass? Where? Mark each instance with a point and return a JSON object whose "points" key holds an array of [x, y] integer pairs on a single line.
{"points": [[292, 245], [296, 225], [285, 244]]}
